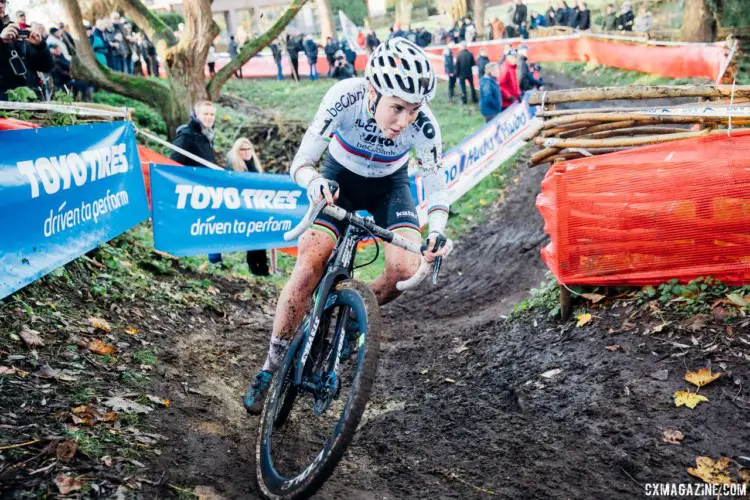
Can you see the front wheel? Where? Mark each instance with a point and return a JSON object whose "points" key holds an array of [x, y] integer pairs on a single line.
{"points": [[297, 453]]}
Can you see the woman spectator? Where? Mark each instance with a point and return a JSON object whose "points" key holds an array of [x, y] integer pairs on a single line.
{"points": [[311, 51], [489, 93], [243, 158], [509, 89]]}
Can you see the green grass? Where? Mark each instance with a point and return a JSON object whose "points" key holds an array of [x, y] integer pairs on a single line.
{"points": [[145, 356], [597, 75]]}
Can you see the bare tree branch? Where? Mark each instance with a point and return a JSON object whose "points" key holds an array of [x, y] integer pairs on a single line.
{"points": [[251, 49]]}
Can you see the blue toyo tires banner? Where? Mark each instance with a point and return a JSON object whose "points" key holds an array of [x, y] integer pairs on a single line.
{"points": [[63, 191], [198, 210]]}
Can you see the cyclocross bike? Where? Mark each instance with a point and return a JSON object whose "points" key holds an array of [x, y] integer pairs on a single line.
{"points": [[319, 392]]}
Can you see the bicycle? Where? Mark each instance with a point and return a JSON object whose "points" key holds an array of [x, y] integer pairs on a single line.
{"points": [[312, 375]]}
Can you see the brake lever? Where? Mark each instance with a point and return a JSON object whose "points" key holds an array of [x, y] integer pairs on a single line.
{"points": [[440, 241]]}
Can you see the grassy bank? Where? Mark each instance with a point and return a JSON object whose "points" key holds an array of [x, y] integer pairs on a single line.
{"points": [[597, 75]]}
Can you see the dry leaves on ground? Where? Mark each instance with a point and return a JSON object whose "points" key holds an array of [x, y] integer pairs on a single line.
{"points": [[88, 415], [100, 324], [672, 437], [30, 337], [712, 472], [158, 400], [702, 377], [66, 450], [67, 484], [593, 297], [124, 405], [583, 319], [98, 347], [688, 399]]}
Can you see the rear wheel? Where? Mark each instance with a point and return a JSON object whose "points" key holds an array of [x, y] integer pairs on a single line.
{"points": [[303, 434]]}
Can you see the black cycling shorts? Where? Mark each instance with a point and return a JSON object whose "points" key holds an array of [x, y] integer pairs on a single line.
{"points": [[388, 199]]}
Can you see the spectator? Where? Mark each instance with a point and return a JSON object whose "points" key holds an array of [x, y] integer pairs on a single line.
{"points": [[573, 17], [643, 22], [470, 31], [498, 29], [32, 55], [53, 39], [197, 135], [490, 103], [482, 61], [464, 64], [113, 48], [440, 34], [276, 51], [626, 18], [520, 13], [609, 21], [450, 70], [424, 37], [584, 16], [343, 69], [234, 51], [397, 32], [411, 35], [488, 31], [67, 38], [537, 21], [311, 51], [293, 48], [508, 80], [350, 55], [98, 44], [361, 40], [561, 14], [21, 20], [550, 14], [211, 60], [526, 80], [149, 54], [330, 50], [372, 41], [523, 31], [506, 50], [243, 158], [130, 50], [61, 70], [391, 33], [121, 51]]}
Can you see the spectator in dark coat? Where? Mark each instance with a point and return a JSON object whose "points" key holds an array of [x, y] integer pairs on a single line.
{"points": [[234, 51], [197, 137], [609, 21], [276, 51], [33, 52], [526, 80], [332, 46], [490, 102], [293, 48], [349, 55], [482, 61], [342, 68], [538, 21], [584, 16], [372, 42], [561, 14], [61, 70], [450, 70], [508, 80], [626, 19], [549, 15], [573, 18], [464, 64], [311, 52], [519, 15], [424, 37]]}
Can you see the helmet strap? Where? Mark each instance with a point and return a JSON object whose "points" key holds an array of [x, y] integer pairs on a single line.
{"points": [[374, 105]]}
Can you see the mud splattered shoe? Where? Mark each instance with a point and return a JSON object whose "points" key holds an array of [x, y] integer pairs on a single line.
{"points": [[256, 393]]}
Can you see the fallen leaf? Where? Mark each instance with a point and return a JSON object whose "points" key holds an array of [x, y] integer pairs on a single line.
{"points": [[660, 375], [450, 380], [613, 347], [551, 373], [106, 461], [583, 319], [745, 476], [66, 450], [66, 484], [672, 437], [593, 297], [157, 400], [688, 399], [131, 331], [423, 372], [659, 328], [124, 405], [7, 370], [88, 415], [98, 347], [701, 377], [695, 323], [30, 337], [739, 300], [627, 325], [100, 324], [711, 472], [48, 372]]}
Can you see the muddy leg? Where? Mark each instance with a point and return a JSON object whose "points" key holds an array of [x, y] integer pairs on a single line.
{"points": [[400, 265]]}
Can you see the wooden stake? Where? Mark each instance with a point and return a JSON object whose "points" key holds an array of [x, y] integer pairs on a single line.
{"points": [[618, 142], [638, 92]]}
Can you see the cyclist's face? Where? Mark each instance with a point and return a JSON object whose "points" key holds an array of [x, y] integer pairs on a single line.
{"points": [[393, 115]]}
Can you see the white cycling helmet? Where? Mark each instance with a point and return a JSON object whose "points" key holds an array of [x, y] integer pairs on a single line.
{"points": [[400, 68]]}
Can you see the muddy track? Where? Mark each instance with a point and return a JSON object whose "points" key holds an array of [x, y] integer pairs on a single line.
{"points": [[458, 409]]}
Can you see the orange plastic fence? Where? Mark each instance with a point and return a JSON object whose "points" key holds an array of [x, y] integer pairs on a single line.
{"points": [[674, 61], [148, 156], [647, 215]]}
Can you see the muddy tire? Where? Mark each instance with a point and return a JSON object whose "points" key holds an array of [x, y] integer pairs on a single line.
{"points": [[275, 484]]}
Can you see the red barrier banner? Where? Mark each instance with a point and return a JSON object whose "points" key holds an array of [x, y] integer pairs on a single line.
{"points": [[674, 60], [647, 215]]}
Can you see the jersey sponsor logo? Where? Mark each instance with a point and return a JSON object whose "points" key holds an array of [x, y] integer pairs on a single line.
{"points": [[424, 124], [406, 213], [378, 139], [345, 101]]}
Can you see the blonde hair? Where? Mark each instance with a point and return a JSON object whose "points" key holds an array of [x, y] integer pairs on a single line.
{"points": [[490, 69], [234, 158]]}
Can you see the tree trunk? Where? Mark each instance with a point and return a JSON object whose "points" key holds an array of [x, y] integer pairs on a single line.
{"points": [[697, 22], [251, 49], [325, 18], [479, 18]]}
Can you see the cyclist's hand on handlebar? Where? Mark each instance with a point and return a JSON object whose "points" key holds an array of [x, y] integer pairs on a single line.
{"points": [[430, 254], [318, 189]]}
